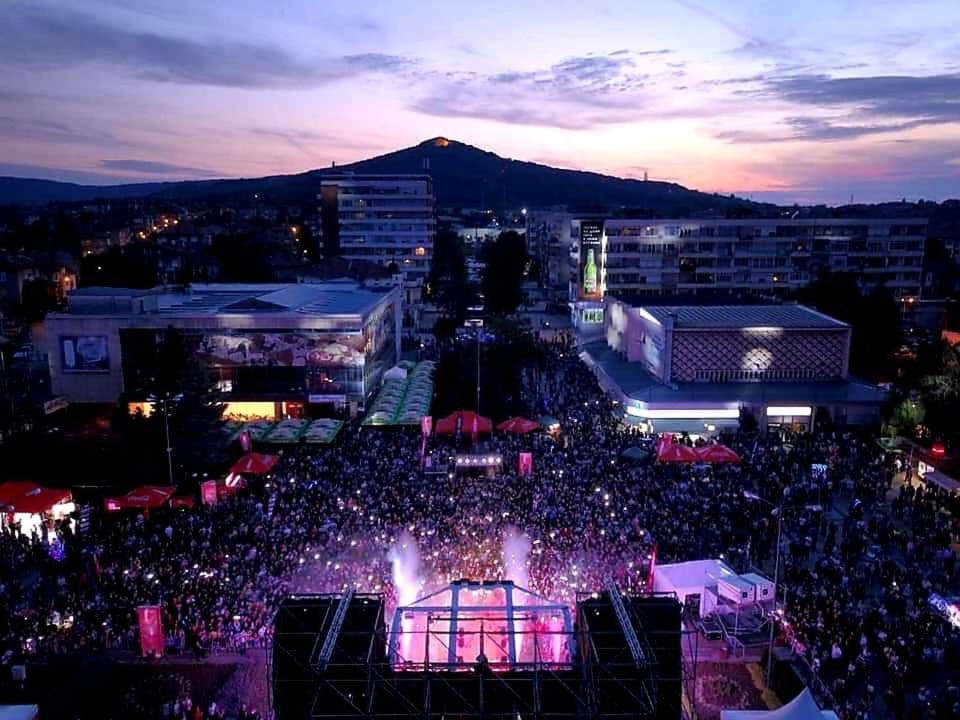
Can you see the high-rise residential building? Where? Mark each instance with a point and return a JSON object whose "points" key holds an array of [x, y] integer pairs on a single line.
{"points": [[384, 219], [770, 257], [548, 240]]}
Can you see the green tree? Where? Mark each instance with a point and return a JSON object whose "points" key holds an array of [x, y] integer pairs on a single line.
{"points": [[906, 416], [506, 264], [447, 282]]}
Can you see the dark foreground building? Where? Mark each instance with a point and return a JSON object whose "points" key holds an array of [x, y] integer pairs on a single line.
{"points": [[477, 650]]}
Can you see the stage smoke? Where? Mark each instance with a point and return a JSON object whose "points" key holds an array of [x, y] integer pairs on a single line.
{"points": [[516, 551], [405, 559]]}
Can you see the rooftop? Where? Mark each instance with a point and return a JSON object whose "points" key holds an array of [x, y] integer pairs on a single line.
{"points": [[709, 317], [312, 299]]}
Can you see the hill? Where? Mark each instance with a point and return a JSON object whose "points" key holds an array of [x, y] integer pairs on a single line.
{"points": [[463, 175]]}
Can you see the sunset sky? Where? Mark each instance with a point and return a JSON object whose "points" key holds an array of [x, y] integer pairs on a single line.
{"points": [[786, 101]]}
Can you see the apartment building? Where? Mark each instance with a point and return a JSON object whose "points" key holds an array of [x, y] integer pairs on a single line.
{"points": [[646, 257], [382, 219]]}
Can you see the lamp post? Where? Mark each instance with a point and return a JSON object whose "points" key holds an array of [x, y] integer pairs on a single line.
{"points": [[778, 509], [164, 400]]}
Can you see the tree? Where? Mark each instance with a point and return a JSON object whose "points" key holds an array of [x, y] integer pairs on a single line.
{"points": [[506, 264], [196, 413], [447, 281], [906, 416], [874, 319]]}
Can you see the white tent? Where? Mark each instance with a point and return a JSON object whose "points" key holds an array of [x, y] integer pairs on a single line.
{"points": [[690, 578], [395, 373], [19, 712], [802, 707]]}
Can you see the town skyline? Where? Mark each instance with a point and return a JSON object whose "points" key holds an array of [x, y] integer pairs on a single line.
{"points": [[794, 105]]}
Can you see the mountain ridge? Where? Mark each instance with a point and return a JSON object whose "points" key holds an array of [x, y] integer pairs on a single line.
{"points": [[463, 176]]}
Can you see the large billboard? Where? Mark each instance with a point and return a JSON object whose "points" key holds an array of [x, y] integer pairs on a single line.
{"points": [[84, 353], [281, 349], [590, 277]]}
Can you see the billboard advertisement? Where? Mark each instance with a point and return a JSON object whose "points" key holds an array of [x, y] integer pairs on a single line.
{"points": [[590, 280], [281, 349], [85, 353]]}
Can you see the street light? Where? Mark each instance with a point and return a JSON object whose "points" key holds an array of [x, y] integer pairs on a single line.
{"points": [[163, 400], [778, 510]]}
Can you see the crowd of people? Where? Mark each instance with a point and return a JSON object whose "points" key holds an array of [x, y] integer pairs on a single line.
{"points": [[859, 565]]}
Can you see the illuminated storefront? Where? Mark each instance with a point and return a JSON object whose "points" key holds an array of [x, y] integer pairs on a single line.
{"points": [[325, 343]]}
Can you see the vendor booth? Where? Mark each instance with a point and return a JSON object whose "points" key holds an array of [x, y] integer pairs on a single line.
{"points": [[29, 506]]}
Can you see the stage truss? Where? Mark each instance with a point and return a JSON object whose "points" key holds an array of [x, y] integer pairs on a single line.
{"points": [[496, 623]]}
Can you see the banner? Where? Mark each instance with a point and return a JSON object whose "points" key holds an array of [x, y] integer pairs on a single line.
{"points": [[151, 630], [426, 425], [208, 492], [526, 464]]}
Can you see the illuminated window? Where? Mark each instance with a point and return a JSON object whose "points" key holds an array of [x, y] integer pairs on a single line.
{"points": [[420, 251]]}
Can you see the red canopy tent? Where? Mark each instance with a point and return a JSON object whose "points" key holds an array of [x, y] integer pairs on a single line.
{"points": [[144, 497], [30, 498], [468, 422], [518, 425], [676, 453], [254, 464], [717, 454]]}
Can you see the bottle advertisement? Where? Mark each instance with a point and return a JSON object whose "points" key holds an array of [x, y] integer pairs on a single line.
{"points": [[591, 285]]}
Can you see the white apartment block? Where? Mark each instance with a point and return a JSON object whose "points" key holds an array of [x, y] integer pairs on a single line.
{"points": [[383, 219], [768, 257]]}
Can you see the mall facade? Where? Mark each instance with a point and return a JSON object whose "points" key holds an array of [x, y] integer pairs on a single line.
{"points": [[273, 349], [697, 368]]}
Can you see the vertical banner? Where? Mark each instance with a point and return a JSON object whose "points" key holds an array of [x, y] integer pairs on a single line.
{"points": [[208, 492], [245, 443], [526, 464], [426, 425], [653, 569], [475, 430], [151, 630]]}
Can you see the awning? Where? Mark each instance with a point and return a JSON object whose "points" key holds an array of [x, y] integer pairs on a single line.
{"points": [[717, 454], [802, 707], [464, 421], [518, 425], [30, 498], [677, 453], [941, 480], [144, 497], [254, 464]]}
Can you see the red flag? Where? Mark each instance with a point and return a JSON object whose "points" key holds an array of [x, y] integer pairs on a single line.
{"points": [[526, 464], [151, 630], [208, 492]]}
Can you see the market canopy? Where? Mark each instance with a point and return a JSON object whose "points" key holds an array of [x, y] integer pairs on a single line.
{"points": [[518, 425], [465, 421], [676, 453], [144, 497], [30, 498], [802, 707], [254, 464], [717, 454]]}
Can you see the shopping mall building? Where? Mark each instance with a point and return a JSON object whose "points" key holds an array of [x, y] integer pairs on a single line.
{"points": [[274, 349], [698, 367]]}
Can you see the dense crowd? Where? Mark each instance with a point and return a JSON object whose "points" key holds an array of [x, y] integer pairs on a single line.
{"points": [[856, 581]]}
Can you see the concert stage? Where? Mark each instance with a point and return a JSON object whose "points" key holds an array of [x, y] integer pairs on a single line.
{"points": [[487, 650]]}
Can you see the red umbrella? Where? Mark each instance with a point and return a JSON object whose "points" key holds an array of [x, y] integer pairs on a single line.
{"points": [[518, 425], [254, 464], [677, 453], [717, 454], [467, 420], [142, 498], [27, 497]]}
